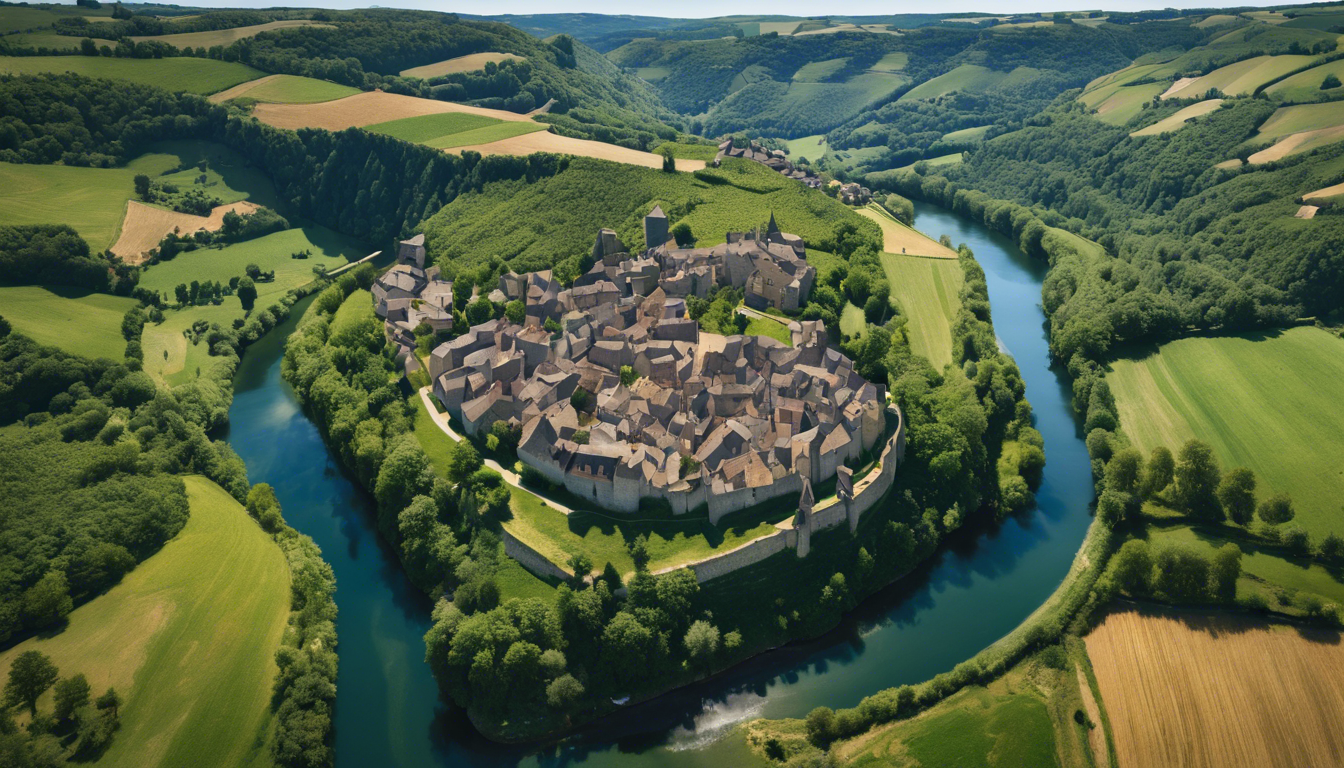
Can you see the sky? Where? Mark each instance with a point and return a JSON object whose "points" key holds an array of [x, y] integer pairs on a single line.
{"points": [[708, 8]]}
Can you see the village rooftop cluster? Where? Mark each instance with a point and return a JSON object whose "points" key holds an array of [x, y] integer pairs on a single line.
{"points": [[726, 422]]}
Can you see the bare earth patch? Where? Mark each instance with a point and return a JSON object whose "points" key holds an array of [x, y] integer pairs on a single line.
{"points": [[1177, 86], [365, 109], [544, 141], [1211, 690], [145, 225], [469, 63]]}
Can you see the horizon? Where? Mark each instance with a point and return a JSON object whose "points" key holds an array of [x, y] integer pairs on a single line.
{"points": [[708, 9]]}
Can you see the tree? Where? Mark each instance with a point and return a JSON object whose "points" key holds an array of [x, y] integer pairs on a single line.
{"points": [[581, 565], [480, 311], [1159, 472], [463, 461], [263, 505], [142, 186], [1124, 471], [1225, 571], [516, 311], [580, 437], [522, 667], [1134, 566], [71, 694], [181, 293], [1237, 495], [628, 650], [1112, 507], [247, 293], [1182, 574], [31, 674], [628, 375], [820, 726], [1329, 82], [1197, 479], [1277, 509], [110, 700], [48, 601], [702, 642], [1332, 548], [564, 692], [669, 163], [639, 551], [682, 233], [579, 399]]}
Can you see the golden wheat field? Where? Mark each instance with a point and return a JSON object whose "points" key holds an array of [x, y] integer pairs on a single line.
{"points": [[472, 62], [365, 109], [1209, 691], [544, 141], [145, 225]]}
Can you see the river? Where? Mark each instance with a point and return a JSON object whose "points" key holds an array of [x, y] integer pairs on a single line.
{"points": [[981, 585]]}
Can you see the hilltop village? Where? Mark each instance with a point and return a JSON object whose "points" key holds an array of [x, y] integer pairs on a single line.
{"points": [[618, 394]]}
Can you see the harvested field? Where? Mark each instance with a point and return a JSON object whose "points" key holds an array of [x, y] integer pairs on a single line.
{"points": [[225, 36], [1177, 121], [544, 141], [365, 109], [1329, 191], [469, 63], [1197, 690], [145, 225], [1298, 142], [898, 238], [1242, 77], [1177, 86]]}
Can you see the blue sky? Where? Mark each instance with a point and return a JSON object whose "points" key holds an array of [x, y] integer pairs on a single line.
{"points": [[705, 8]]}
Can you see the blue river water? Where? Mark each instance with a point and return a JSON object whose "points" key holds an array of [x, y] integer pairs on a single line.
{"points": [[980, 586]]}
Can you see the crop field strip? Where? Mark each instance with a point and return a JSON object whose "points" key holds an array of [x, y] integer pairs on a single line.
{"points": [[145, 226], [287, 89], [1306, 86], [1207, 691], [225, 37], [545, 141], [899, 239], [1178, 121], [927, 291], [181, 73], [364, 109], [472, 62], [1243, 77], [1270, 404], [188, 639]]}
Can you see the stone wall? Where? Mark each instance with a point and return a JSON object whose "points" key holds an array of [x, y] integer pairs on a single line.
{"points": [[748, 554], [532, 560]]}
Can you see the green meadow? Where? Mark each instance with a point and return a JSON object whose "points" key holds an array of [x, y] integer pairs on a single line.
{"points": [[852, 320], [20, 18], [759, 327], [184, 73], [1306, 85], [818, 71], [93, 200], [453, 129], [927, 292], [1268, 403], [811, 147], [73, 319], [188, 639], [271, 252], [292, 89], [170, 357], [970, 78]]}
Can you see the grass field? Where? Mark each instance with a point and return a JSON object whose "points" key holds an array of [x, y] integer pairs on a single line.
{"points": [[852, 321], [74, 320], [271, 252], [1115, 100], [892, 62], [818, 71], [970, 78], [1264, 565], [51, 41], [967, 134], [16, 18], [759, 327], [287, 89], [469, 63], [1005, 725], [1302, 117], [424, 128], [1306, 86], [652, 74], [926, 291], [811, 147], [900, 239], [841, 98], [1242, 77], [184, 359], [188, 640], [1270, 404], [226, 37], [185, 73], [1178, 121], [1206, 691], [93, 200]]}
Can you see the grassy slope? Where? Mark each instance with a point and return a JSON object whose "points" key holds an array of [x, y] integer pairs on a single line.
{"points": [[1305, 86], [1303, 117], [291, 89], [926, 290], [811, 147], [1257, 564], [271, 252], [93, 200], [1245, 76], [515, 219], [426, 127], [188, 640], [1178, 120], [967, 77], [183, 360], [818, 71], [81, 323], [1271, 405], [176, 74]]}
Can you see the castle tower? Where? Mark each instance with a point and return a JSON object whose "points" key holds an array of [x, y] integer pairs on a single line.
{"points": [[655, 228], [802, 522]]}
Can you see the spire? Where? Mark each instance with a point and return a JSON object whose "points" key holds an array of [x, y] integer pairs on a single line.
{"points": [[805, 502], [772, 228]]}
